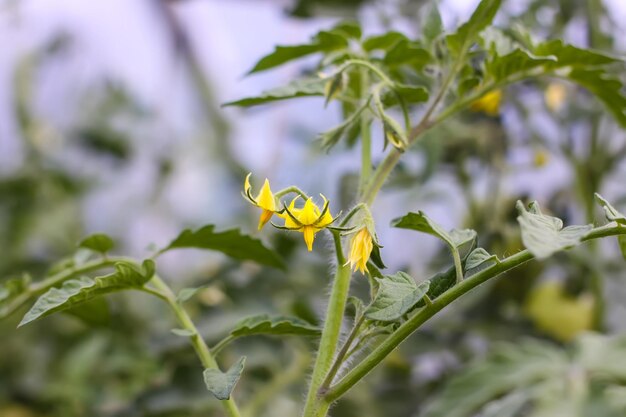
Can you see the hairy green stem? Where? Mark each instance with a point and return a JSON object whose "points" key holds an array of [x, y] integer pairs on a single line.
{"points": [[315, 404], [411, 325], [198, 343], [291, 189]]}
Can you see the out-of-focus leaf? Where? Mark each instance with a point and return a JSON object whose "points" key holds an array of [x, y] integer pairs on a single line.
{"points": [[98, 242], [330, 138], [569, 55], [221, 384], [324, 41], [508, 369], [186, 294], [383, 42], [350, 29], [78, 291], [229, 242], [518, 61], [13, 287], [299, 88], [544, 235], [407, 52], [409, 94], [397, 294], [468, 32], [607, 88], [432, 25], [274, 325], [183, 332], [93, 312]]}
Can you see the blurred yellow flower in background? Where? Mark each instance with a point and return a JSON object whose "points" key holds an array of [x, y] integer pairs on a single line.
{"points": [[541, 158], [558, 314], [555, 96], [489, 103]]}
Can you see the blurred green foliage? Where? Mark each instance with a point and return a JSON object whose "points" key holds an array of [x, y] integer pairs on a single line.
{"points": [[131, 365]]}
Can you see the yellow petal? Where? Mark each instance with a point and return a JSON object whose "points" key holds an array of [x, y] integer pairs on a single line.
{"points": [[309, 213], [265, 199], [265, 217], [309, 236], [289, 222], [361, 247]]}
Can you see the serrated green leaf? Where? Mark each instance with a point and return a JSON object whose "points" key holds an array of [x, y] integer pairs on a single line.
{"points": [[221, 384], [324, 41], [480, 258], [274, 325], [98, 242], [508, 369], [230, 242], [397, 294], [544, 235], [78, 291], [468, 32], [183, 332], [383, 42], [308, 87]]}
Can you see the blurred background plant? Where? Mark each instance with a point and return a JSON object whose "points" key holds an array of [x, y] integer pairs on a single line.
{"points": [[110, 121]]}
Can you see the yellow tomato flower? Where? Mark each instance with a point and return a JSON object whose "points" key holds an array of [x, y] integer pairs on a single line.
{"points": [[557, 314], [361, 246], [265, 200], [309, 219], [555, 96], [488, 104]]}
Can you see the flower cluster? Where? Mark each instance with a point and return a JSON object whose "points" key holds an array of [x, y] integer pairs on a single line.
{"points": [[309, 219]]}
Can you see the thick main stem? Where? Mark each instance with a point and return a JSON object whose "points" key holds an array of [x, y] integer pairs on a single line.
{"points": [[198, 343], [316, 406]]}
